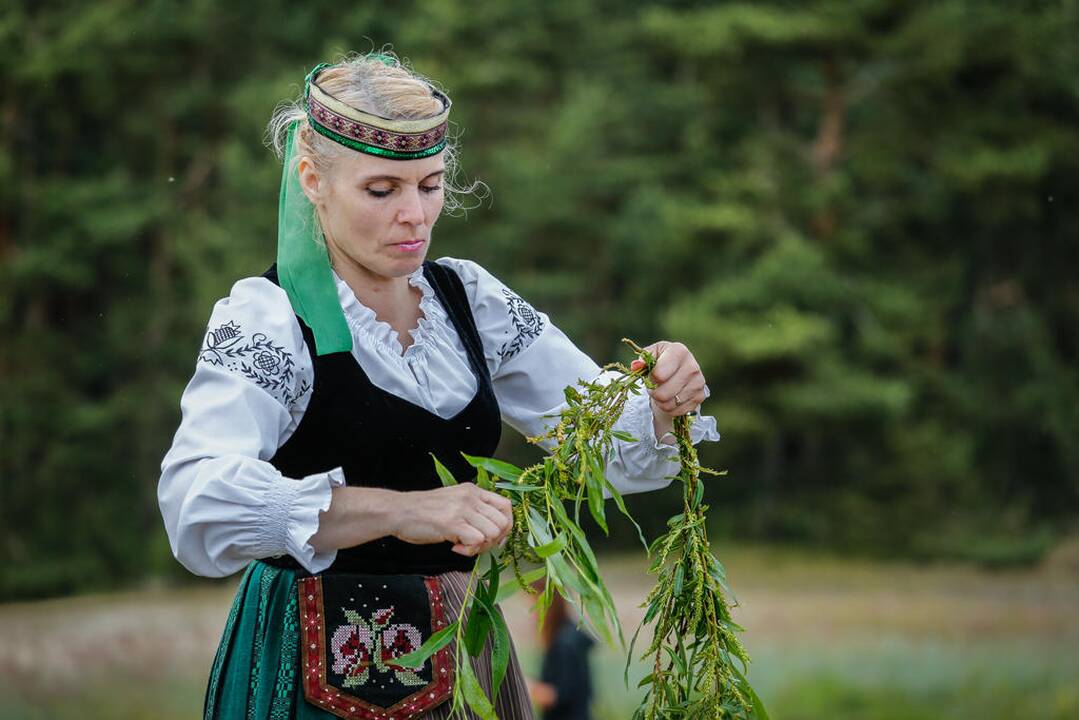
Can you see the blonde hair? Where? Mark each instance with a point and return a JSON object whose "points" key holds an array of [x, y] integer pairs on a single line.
{"points": [[376, 83]]}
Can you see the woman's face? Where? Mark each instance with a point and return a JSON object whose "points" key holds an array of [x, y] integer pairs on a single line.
{"points": [[377, 214]]}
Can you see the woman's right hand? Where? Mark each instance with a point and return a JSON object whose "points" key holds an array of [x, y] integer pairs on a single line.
{"points": [[472, 518]]}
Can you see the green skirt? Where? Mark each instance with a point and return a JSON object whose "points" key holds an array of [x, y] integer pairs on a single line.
{"points": [[256, 672]]}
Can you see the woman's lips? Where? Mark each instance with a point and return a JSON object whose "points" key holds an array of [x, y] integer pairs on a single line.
{"points": [[410, 246]]}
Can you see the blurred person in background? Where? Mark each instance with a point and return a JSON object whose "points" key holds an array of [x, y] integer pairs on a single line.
{"points": [[564, 688]]}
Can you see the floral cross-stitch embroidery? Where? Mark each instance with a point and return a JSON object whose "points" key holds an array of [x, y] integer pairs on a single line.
{"points": [[355, 629], [257, 358], [352, 648], [366, 642], [397, 640]]}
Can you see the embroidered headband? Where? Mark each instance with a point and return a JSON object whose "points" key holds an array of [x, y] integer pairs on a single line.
{"points": [[372, 134], [303, 265]]}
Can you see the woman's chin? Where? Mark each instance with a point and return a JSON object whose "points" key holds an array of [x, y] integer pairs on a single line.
{"points": [[405, 262]]}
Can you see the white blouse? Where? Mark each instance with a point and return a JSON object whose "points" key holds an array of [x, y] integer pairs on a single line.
{"points": [[224, 504]]}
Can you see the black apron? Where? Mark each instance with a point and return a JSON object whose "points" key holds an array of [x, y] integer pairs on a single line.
{"points": [[381, 440]]}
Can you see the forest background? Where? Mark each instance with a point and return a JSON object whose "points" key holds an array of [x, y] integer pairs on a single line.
{"points": [[860, 216]]}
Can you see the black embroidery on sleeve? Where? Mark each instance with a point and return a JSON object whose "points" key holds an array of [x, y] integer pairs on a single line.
{"points": [[527, 322], [257, 358]]}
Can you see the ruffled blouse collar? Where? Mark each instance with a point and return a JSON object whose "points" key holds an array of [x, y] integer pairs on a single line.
{"points": [[363, 321]]}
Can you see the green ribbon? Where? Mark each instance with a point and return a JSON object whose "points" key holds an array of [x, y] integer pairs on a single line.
{"points": [[303, 265]]}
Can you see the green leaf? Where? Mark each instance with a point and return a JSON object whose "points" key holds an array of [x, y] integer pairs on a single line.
{"points": [[629, 655], [443, 472], [595, 480], [519, 488], [558, 568], [599, 618], [653, 609], [617, 497], [715, 569], [623, 436], [677, 657], [732, 626], [500, 650], [654, 547], [538, 527], [543, 602], [436, 642], [698, 494], [479, 624], [483, 479], [552, 547], [577, 502], [508, 589], [759, 713], [473, 692], [503, 470], [493, 577]]}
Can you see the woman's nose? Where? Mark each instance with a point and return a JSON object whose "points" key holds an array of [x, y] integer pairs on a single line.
{"points": [[411, 210]]}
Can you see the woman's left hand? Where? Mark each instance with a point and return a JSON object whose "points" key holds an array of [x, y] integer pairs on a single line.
{"points": [[679, 381]]}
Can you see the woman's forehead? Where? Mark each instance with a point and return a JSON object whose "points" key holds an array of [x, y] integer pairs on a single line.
{"points": [[362, 167]]}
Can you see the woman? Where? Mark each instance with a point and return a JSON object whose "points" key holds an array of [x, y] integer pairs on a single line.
{"points": [[323, 389]]}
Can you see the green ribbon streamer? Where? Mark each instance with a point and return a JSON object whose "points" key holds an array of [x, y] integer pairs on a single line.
{"points": [[303, 266]]}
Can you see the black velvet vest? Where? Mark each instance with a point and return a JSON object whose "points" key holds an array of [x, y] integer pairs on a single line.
{"points": [[381, 440]]}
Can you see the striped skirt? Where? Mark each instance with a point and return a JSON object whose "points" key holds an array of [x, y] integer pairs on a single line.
{"points": [[255, 674]]}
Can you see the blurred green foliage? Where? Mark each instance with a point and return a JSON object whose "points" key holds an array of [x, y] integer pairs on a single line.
{"points": [[858, 215]]}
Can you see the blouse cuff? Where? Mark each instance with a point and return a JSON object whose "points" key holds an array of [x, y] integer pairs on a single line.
{"points": [[703, 427], [295, 516]]}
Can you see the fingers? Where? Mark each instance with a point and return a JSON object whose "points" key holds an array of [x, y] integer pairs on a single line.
{"points": [[503, 521], [489, 532], [499, 502], [665, 391], [469, 534], [680, 387], [485, 522], [668, 358], [490, 522], [689, 395]]}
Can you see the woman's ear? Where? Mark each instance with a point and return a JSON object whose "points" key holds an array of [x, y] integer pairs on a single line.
{"points": [[310, 180]]}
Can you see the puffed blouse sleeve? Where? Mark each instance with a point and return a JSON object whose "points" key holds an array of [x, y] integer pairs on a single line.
{"points": [[532, 361], [223, 503]]}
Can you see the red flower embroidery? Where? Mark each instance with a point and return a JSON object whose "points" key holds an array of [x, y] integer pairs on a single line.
{"points": [[352, 646], [398, 640]]}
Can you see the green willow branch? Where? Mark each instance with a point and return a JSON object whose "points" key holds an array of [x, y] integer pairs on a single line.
{"points": [[694, 646]]}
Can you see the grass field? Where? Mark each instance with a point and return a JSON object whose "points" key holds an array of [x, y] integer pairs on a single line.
{"points": [[830, 638]]}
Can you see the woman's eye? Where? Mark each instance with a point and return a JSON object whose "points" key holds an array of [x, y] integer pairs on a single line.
{"points": [[378, 193], [430, 188]]}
